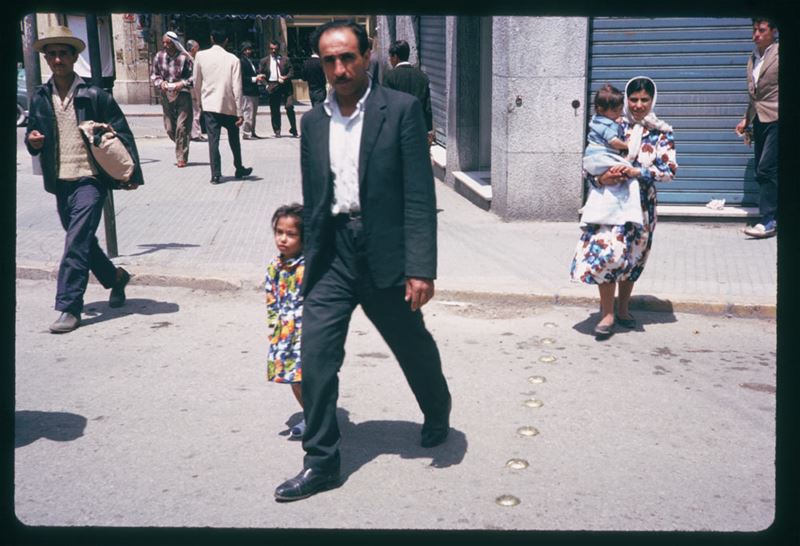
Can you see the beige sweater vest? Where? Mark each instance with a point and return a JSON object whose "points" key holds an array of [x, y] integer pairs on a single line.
{"points": [[73, 156]]}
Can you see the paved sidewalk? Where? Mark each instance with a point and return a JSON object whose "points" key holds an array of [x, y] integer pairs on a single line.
{"points": [[178, 230]]}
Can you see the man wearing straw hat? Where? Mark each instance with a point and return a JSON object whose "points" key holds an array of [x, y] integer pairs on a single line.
{"points": [[70, 173], [172, 76]]}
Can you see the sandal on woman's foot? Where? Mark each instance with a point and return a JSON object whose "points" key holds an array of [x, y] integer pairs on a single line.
{"points": [[603, 331], [625, 322]]}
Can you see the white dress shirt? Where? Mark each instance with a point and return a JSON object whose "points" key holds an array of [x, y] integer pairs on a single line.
{"points": [[758, 60], [345, 150]]}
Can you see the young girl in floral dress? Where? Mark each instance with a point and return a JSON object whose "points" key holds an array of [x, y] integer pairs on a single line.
{"points": [[283, 287]]}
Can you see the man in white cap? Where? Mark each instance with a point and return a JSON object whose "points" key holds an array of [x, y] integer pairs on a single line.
{"points": [[172, 76], [69, 171]]}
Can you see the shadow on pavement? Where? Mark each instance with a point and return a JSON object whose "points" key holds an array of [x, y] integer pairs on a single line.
{"points": [[155, 247], [99, 311], [58, 426], [643, 318], [363, 442]]}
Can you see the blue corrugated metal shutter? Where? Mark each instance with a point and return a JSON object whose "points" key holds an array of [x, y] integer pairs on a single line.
{"points": [[432, 56], [699, 65]]}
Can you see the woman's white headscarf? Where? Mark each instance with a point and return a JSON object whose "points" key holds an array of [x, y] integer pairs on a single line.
{"points": [[650, 121]]}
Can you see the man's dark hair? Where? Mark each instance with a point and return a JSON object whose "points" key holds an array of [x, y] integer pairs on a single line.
{"points": [[401, 50], [608, 97], [358, 30], [770, 22], [275, 43], [295, 210], [219, 35], [641, 84]]}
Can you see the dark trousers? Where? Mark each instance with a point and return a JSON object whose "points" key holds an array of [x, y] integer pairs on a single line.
{"points": [[80, 206], [214, 124], [326, 316], [765, 137], [277, 97]]}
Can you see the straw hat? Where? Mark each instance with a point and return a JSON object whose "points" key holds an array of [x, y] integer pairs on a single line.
{"points": [[59, 35]]}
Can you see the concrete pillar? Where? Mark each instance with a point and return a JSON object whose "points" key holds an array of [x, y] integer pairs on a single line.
{"points": [[406, 28], [539, 69], [463, 95], [131, 54]]}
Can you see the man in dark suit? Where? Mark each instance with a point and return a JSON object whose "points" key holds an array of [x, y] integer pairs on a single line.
{"points": [[409, 79], [370, 239], [250, 81], [278, 72], [315, 77]]}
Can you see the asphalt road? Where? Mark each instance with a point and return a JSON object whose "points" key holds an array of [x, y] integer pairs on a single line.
{"points": [[159, 414]]}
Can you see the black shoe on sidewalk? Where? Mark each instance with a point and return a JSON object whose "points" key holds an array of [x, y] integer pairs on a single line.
{"points": [[293, 132], [241, 173], [308, 482], [215, 180], [67, 322], [117, 298], [434, 431]]}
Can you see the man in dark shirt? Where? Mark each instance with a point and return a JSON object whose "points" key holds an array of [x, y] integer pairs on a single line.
{"points": [[250, 80], [410, 79], [315, 77]]}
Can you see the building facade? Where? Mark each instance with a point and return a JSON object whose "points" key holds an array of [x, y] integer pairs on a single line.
{"points": [[512, 98]]}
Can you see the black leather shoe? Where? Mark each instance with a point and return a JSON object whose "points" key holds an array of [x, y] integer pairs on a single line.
{"points": [[241, 173], [277, 134], [215, 179], [308, 482], [67, 322], [434, 431], [117, 298], [293, 132]]}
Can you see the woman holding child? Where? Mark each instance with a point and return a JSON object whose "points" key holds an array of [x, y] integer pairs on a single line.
{"points": [[613, 249]]}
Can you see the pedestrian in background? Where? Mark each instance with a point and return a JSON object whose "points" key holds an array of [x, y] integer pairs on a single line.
{"points": [[197, 129], [250, 80], [315, 77], [172, 76], [409, 79], [284, 285], [70, 173], [762, 113], [217, 74], [278, 72]]}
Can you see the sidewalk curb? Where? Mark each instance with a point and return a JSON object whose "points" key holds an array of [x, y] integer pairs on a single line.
{"points": [[638, 303]]}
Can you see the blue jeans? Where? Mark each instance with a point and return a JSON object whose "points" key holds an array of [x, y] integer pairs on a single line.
{"points": [[765, 136], [80, 206]]}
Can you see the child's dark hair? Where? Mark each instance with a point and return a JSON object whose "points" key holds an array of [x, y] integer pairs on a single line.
{"points": [[608, 97], [295, 210]]}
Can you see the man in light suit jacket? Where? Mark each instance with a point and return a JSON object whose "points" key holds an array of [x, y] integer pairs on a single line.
{"points": [[762, 112], [369, 217], [217, 74]]}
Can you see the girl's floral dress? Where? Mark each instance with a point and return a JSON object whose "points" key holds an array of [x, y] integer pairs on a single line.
{"points": [[283, 286], [607, 253]]}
